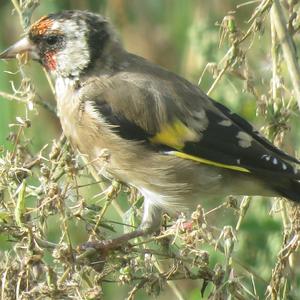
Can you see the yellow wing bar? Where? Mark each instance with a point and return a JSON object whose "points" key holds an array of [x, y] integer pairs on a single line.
{"points": [[207, 162], [175, 135]]}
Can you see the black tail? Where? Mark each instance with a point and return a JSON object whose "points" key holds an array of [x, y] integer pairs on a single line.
{"points": [[286, 185], [290, 190]]}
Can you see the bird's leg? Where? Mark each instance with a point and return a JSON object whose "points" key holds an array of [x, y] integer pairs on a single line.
{"points": [[150, 223]]}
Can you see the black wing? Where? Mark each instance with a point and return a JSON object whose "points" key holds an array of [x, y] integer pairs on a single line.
{"points": [[149, 104]]}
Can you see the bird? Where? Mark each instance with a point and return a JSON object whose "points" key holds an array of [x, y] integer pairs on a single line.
{"points": [[160, 133]]}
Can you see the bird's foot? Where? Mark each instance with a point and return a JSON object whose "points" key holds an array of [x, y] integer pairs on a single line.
{"points": [[95, 253], [105, 246]]}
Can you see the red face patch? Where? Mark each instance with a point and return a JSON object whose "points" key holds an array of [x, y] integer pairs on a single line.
{"points": [[50, 60], [41, 26]]}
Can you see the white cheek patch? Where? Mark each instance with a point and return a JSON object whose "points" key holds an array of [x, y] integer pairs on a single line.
{"points": [[76, 55]]}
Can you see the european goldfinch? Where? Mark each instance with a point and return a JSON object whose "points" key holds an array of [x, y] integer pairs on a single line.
{"points": [[160, 132]]}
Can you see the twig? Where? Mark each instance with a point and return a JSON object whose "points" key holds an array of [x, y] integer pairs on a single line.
{"points": [[12, 97], [288, 48]]}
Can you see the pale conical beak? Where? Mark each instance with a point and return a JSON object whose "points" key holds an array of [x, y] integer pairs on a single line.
{"points": [[22, 46]]}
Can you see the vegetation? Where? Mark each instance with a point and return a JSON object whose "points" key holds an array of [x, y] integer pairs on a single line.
{"points": [[243, 53]]}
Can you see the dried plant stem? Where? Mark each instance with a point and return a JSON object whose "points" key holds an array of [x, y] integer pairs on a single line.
{"points": [[288, 48], [49, 81], [274, 59], [12, 97], [172, 285], [175, 289], [218, 78], [274, 55], [18, 9]]}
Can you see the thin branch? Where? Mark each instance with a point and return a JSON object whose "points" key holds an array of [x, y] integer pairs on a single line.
{"points": [[288, 49]]}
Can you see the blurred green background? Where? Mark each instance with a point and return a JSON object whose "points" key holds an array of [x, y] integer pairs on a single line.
{"points": [[181, 35]]}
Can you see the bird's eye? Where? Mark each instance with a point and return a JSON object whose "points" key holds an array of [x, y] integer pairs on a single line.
{"points": [[52, 39]]}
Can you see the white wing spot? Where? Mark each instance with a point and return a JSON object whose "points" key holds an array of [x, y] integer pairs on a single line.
{"points": [[275, 161], [266, 157], [284, 166], [226, 123], [245, 139]]}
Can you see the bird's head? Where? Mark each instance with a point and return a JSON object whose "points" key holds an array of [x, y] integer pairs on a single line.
{"points": [[66, 43]]}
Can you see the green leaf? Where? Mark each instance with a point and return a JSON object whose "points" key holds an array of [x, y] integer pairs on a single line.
{"points": [[20, 207]]}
